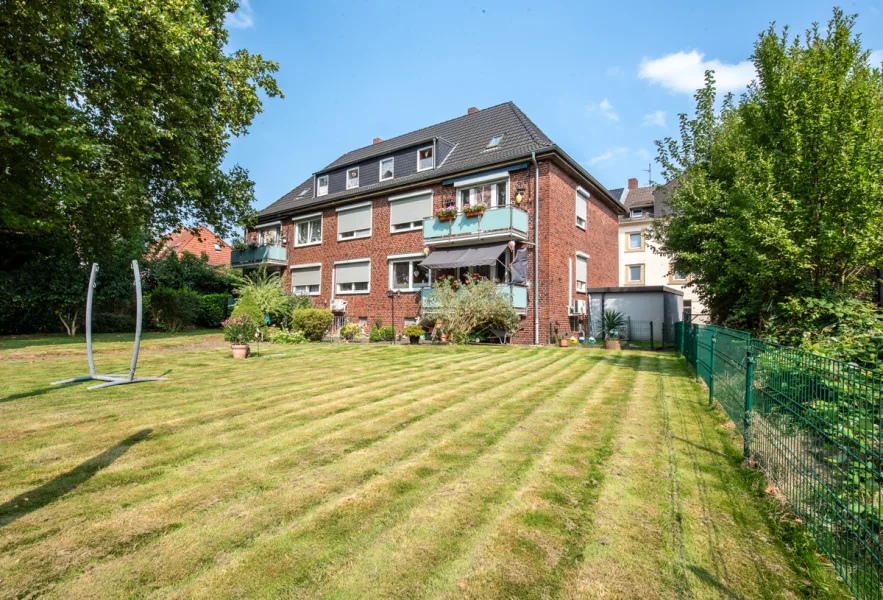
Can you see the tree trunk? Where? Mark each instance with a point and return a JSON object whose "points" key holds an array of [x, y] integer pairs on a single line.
{"points": [[71, 324]]}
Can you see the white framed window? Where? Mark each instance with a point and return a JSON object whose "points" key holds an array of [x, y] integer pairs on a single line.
{"points": [[354, 221], [635, 241], [270, 236], [637, 213], [308, 230], [582, 271], [425, 158], [406, 212], [352, 178], [492, 195], [406, 274], [322, 185], [634, 274], [582, 207], [387, 168], [353, 276], [306, 279], [217, 247], [495, 141]]}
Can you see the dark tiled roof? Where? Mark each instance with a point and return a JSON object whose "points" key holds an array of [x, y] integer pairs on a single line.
{"points": [[640, 197], [470, 134], [617, 193]]}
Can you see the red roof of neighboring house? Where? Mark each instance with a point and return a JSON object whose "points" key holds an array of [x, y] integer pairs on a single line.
{"points": [[204, 240]]}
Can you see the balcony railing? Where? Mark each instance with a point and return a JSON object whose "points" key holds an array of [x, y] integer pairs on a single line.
{"points": [[517, 295], [494, 221], [272, 255]]}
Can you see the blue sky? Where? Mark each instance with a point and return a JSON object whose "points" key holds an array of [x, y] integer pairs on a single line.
{"points": [[602, 80]]}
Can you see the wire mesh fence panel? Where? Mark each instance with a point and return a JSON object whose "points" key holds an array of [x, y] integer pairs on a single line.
{"points": [[730, 355], [690, 333], [679, 337], [668, 336], [817, 430], [703, 352]]}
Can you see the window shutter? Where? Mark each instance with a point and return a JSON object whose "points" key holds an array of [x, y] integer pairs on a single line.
{"points": [[352, 220], [353, 272], [306, 276], [410, 210], [581, 202], [581, 268]]}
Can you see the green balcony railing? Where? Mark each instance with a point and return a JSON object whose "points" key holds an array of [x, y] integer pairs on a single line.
{"points": [[516, 293], [494, 220], [269, 254]]}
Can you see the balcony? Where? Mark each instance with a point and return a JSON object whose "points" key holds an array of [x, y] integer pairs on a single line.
{"points": [[504, 222], [517, 295], [258, 255]]}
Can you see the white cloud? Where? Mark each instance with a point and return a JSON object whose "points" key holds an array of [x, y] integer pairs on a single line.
{"points": [[243, 18], [605, 109], [685, 72], [643, 154], [654, 119], [876, 58], [612, 154]]}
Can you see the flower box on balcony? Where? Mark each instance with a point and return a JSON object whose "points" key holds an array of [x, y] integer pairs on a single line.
{"points": [[446, 214], [475, 210]]}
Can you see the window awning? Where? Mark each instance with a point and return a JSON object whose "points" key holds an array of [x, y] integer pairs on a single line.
{"points": [[464, 256]]}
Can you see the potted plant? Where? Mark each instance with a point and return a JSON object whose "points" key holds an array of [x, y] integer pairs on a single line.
{"points": [[446, 214], [413, 332], [563, 341], [612, 323], [238, 331], [474, 210]]}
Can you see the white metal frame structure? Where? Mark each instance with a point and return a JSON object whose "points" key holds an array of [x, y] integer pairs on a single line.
{"points": [[111, 379]]}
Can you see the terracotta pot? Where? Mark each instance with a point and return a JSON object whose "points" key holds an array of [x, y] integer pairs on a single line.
{"points": [[415, 339], [240, 350], [447, 217], [563, 343], [613, 344], [475, 213]]}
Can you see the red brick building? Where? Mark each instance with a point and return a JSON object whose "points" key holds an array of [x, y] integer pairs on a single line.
{"points": [[204, 240], [365, 225]]}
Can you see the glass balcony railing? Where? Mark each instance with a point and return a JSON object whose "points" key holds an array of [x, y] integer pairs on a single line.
{"points": [[517, 295], [253, 256], [494, 220]]}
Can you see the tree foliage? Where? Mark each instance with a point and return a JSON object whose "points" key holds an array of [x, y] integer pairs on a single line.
{"points": [[472, 306], [123, 108], [779, 196]]}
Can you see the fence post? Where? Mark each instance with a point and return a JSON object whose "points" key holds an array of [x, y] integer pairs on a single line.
{"points": [[711, 369], [651, 336], [749, 388]]}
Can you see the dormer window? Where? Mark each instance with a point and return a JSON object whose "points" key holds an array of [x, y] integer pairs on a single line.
{"points": [[387, 169], [352, 178], [495, 141], [322, 186], [425, 159], [637, 213]]}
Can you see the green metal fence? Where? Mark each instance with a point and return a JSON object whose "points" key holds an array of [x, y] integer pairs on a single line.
{"points": [[815, 425]]}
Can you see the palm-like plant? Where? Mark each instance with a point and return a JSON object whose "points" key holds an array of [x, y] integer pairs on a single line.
{"points": [[611, 324]]}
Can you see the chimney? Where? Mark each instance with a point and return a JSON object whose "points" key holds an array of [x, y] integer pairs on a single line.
{"points": [[633, 183], [378, 140], [471, 110]]}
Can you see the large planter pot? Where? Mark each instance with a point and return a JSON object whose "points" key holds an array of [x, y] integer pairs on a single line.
{"points": [[475, 213], [613, 344], [446, 217], [563, 343], [240, 350], [415, 339]]}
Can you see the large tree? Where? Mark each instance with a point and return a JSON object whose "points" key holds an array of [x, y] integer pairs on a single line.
{"points": [[779, 195], [115, 116]]}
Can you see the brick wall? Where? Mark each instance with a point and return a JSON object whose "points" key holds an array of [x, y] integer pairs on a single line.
{"points": [[559, 240]]}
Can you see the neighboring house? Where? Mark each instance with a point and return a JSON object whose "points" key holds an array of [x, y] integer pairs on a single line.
{"points": [[363, 228], [204, 240], [639, 264]]}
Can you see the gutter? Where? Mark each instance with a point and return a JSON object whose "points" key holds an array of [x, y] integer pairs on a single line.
{"points": [[536, 250]]}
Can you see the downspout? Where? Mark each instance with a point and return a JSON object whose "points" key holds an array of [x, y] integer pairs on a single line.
{"points": [[536, 251]]}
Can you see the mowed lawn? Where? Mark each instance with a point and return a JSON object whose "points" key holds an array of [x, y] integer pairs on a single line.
{"points": [[340, 471]]}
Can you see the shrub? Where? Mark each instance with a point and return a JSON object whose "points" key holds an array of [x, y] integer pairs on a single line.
{"points": [[265, 289], [375, 333], [239, 330], [350, 331], [413, 331], [172, 310], [313, 322], [471, 308], [285, 337], [613, 322], [387, 333], [212, 310], [105, 322], [247, 306]]}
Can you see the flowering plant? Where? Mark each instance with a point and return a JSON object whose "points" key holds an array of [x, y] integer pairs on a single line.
{"points": [[470, 209], [239, 330], [446, 213]]}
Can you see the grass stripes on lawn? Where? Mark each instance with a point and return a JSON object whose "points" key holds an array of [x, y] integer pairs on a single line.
{"points": [[378, 471]]}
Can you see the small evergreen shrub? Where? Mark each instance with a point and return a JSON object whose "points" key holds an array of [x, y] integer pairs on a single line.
{"points": [[374, 336], [413, 331], [387, 333], [172, 310], [247, 306], [313, 322]]}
